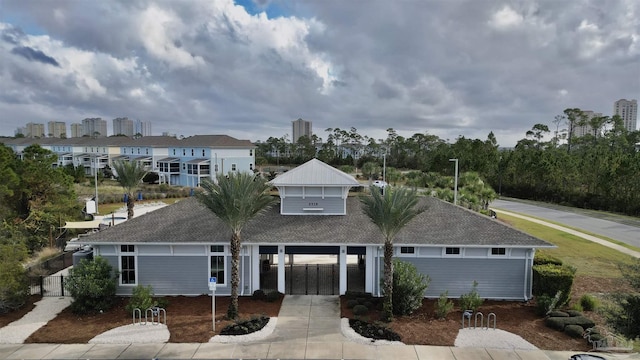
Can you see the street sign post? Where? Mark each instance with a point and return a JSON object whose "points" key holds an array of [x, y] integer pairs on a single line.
{"points": [[212, 286]]}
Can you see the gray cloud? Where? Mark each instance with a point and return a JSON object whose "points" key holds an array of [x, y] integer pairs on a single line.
{"points": [[34, 55], [448, 68]]}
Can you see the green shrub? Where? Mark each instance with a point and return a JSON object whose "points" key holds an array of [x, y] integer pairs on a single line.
{"points": [[471, 300], [92, 284], [588, 302], [259, 295], [357, 294], [351, 303], [360, 310], [408, 287], [558, 313], [559, 323], [14, 285], [575, 310], [575, 331], [625, 316], [550, 278], [443, 306], [273, 296], [543, 259], [244, 327], [142, 298], [555, 323]]}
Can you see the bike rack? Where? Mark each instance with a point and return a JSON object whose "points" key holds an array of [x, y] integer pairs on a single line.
{"points": [[156, 313], [467, 314], [137, 312]]}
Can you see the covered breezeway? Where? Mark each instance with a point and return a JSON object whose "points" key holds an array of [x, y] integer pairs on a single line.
{"points": [[312, 270]]}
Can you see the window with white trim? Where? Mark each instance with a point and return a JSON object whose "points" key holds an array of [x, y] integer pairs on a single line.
{"points": [[127, 265], [217, 263], [407, 250], [498, 251], [452, 251]]}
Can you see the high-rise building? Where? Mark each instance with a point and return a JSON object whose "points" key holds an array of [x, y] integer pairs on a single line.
{"points": [[56, 129], [143, 128], [300, 129], [628, 111], [76, 130], [34, 130], [21, 131], [584, 129], [123, 126], [94, 127]]}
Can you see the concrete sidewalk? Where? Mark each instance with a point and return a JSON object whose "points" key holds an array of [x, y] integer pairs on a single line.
{"points": [[308, 328]]}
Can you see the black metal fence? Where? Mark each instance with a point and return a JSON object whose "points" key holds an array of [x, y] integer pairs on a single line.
{"points": [[52, 285], [51, 266]]}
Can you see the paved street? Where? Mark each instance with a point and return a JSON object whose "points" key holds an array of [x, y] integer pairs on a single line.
{"points": [[629, 232]]}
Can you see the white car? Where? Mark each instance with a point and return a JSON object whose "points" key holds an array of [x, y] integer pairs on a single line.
{"points": [[380, 183]]}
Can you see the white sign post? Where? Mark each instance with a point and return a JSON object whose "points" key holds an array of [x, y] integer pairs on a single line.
{"points": [[212, 286]]}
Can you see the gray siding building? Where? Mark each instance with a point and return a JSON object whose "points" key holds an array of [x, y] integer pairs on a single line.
{"points": [[177, 248]]}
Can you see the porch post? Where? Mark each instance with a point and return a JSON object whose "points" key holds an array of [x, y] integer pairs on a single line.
{"points": [[343, 269], [255, 268], [281, 284], [369, 268]]}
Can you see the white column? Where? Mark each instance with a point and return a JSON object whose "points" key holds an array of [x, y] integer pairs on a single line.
{"points": [[255, 268], [281, 284], [369, 267], [342, 261]]}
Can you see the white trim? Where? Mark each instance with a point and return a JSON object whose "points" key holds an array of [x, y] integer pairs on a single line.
{"points": [[313, 209], [133, 254]]}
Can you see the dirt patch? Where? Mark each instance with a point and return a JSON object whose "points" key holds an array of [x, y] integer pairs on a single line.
{"points": [[188, 320], [6, 319]]}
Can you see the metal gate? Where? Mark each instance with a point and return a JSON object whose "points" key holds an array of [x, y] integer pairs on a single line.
{"points": [[312, 279], [52, 285]]}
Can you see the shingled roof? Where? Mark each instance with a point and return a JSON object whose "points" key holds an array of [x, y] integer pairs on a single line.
{"points": [[444, 224], [313, 173]]}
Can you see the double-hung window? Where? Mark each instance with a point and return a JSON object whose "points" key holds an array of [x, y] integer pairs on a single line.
{"points": [[128, 265], [217, 263]]}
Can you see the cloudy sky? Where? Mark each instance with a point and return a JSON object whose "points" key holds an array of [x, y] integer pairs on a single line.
{"points": [[248, 68]]}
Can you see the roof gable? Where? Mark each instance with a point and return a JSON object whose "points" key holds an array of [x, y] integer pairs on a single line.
{"points": [[315, 172]]}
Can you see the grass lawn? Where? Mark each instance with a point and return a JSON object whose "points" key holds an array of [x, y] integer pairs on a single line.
{"points": [[589, 258]]}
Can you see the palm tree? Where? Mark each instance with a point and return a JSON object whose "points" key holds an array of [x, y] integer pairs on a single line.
{"points": [[235, 199], [129, 176], [390, 212]]}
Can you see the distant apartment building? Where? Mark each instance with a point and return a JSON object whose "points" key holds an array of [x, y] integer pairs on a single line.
{"points": [[94, 127], [123, 126], [143, 128], [76, 130], [34, 130], [628, 111], [21, 130], [300, 128], [585, 128], [57, 129]]}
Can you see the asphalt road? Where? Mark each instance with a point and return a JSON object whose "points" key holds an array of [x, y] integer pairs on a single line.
{"points": [[626, 229]]}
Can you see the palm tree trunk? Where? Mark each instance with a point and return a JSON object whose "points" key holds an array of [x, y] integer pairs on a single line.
{"points": [[232, 313], [387, 307], [129, 206]]}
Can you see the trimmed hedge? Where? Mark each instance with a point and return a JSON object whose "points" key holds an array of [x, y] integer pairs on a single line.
{"points": [[550, 278], [558, 313], [542, 259], [575, 331], [560, 323], [573, 313]]}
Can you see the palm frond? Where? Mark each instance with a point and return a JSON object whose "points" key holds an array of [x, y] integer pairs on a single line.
{"points": [[130, 173]]}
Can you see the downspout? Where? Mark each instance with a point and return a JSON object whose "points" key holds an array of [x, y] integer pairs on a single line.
{"points": [[526, 274], [241, 271]]}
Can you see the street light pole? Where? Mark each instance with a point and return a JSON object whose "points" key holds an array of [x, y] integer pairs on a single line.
{"points": [[455, 186], [95, 180]]}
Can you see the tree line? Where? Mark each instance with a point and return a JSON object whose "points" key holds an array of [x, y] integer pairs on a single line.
{"points": [[598, 170]]}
